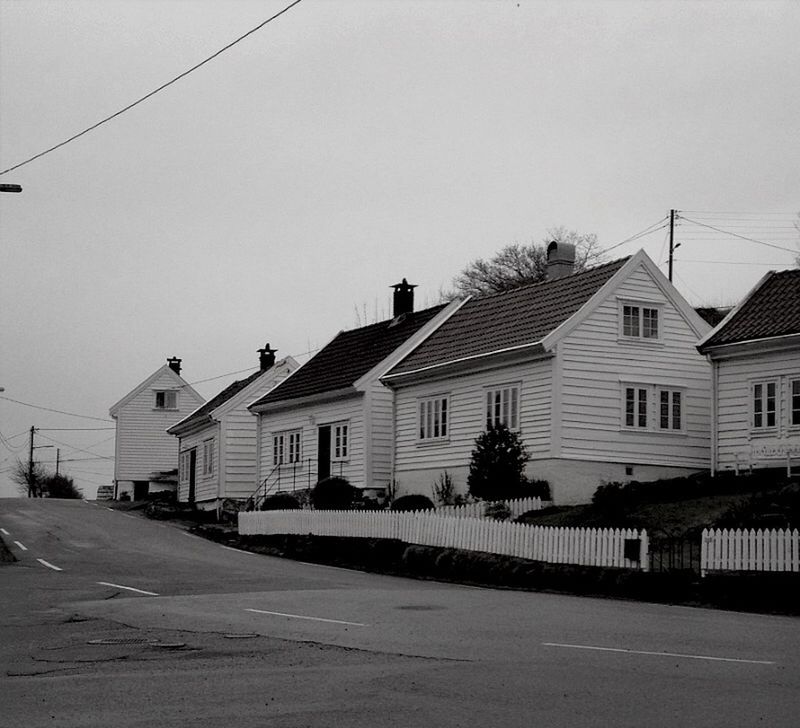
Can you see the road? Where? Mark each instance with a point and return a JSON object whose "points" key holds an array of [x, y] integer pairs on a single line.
{"points": [[109, 619]]}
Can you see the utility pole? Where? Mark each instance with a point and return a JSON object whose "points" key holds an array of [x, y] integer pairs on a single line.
{"points": [[30, 464], [671, 240]]}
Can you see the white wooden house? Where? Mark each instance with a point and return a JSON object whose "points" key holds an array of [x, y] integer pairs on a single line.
{"points": [[755, 355], [145, 455], [332, 416], [597, 371], [218, 445]]}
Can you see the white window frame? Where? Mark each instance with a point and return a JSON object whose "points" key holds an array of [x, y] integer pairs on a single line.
{"points": [[208, 456], [340, 442], [166, 396], [433, 418], [635, 418], [501, 405], [183, 467], [759, 405], [287, 447], [641, 310], [793, 403], [641, 407], [674, 396]]}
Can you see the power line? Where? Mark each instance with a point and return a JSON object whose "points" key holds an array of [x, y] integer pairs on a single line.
{"points": [[60, 412], [74, 429], [79, 449], [662, 223], [154, 92], [736, 235]]}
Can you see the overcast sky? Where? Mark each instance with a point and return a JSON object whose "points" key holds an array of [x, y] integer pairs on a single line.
{"points": [[275, 193]]}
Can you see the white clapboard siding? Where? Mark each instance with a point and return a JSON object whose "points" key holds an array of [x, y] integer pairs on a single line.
{"points": [[750, 550], [582, 546], [516, 506]]}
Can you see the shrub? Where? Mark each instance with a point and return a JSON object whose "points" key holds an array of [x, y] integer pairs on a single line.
{"points": [[334, 494], [498, 511], [280, 502], [414, 502], [496, 469], [444, 490], [60, 486], [538, 489]]}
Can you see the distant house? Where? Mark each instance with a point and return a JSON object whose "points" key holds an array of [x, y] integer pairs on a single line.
{"points": [[597, 371], [755, 354], [218, 444], [332, 416], [145, 455]]}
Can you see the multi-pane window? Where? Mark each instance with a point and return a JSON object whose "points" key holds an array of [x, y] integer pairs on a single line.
{"points": [[433, 418], [650, 407], [794, 402], [764, 405], [502, 407], [183, 467], [340, 435], [670, 402], [636, 407], [167, 399], [286, 447], [208, 457], [640, 322]]}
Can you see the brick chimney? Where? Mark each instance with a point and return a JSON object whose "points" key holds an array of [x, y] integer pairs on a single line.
{"points": [[266, 357], [175, 364], [560, 260], [403, 298]]}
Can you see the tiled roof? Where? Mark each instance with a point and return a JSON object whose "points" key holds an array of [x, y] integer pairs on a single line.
{"points": [[202, 414], [772, 310], [513, 318], [348, 357]]}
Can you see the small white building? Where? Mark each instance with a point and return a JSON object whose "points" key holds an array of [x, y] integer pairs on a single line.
{"points": [[597, 371], [332, 416], [218, 441], [755, 355], [146, 457]]}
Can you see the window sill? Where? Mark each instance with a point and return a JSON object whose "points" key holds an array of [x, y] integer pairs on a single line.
{"points": [[433, 441], [652, 431], [650, 343]]}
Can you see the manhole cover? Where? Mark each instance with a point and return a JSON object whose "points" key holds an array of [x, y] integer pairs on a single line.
{"points": [[421, 607], [123, 641]]}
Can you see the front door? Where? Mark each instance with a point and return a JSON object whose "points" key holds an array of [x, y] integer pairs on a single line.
{"points": [[192, 473], [324, 452]]}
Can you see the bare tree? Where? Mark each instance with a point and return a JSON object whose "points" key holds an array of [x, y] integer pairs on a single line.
{"points": [[29, 481], [517, 265]]}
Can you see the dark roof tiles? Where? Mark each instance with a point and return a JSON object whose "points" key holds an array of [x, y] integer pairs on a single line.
{"points": [[773, 309], [202, 414], [504, 320], [349, 356]]}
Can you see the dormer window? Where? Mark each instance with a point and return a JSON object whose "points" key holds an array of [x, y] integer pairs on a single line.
{"points": [[167, 399], [640, 321]]}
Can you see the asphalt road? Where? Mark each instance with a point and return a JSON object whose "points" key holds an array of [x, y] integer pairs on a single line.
{"points": [[109, 619]]}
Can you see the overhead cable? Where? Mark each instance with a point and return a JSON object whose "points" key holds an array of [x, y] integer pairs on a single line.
{"points": [[152, 93]]}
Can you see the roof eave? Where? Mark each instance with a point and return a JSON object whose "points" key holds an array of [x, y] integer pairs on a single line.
{"points": [[766, 343], [311, 399], [443, 369]]}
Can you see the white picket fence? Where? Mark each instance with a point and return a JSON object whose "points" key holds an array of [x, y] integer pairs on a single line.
{"points": [[582, 546], [750, 550], [517, 506]]}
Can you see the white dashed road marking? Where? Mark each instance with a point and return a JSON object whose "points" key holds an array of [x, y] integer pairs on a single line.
{"points": [[300, 616], [5, 533], [659, 654], [129, 588], [22, 546], [49, 565]]}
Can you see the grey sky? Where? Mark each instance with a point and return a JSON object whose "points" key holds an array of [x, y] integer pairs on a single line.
{"points": [[280, 189]]}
